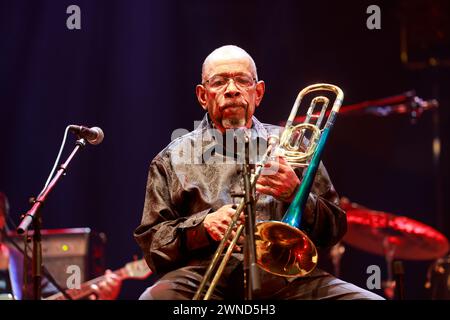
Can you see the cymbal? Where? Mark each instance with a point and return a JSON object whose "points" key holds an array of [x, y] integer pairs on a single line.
{"points": [[377, 231]]}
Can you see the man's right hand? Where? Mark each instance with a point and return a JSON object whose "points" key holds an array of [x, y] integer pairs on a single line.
{"points": [[217, 223]]}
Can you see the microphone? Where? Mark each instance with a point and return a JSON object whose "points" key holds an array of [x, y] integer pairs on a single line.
{"points": [[92, 135]]}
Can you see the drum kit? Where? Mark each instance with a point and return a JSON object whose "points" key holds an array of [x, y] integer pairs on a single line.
{"points": [[396, 238]]}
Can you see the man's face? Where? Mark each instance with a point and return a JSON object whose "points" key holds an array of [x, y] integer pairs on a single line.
{"points": [[231, 104]]}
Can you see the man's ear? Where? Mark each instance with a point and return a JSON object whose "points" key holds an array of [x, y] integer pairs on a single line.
{"points": [[260, 89], [200, 91]]}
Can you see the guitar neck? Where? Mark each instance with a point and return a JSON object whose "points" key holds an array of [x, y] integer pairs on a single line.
{"points": [[85, 288]]}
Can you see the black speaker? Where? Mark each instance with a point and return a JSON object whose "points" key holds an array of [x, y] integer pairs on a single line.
{"points": [[62, 249]]}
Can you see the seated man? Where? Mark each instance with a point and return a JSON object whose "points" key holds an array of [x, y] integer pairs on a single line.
{"points": [[189, 204]]}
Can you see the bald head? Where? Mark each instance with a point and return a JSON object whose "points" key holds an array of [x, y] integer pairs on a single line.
{"points": [[226, 53], [230, 104]]}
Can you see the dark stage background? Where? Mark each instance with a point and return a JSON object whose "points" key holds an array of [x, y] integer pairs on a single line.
{"points": [[132, 69]]}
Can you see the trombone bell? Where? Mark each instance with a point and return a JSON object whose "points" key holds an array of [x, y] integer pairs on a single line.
{"points": [[293, 251], [282, 248]]}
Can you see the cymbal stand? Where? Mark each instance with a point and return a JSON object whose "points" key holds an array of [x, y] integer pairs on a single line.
{"points": [[389, 284], [252, 282], [336, 253]]}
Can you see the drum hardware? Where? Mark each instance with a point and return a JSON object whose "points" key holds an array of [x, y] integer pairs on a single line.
{"points": [[438, 279], [336, 253], [393, 237]]}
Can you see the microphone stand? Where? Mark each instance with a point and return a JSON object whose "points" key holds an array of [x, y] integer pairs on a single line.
{"points": [[34, 216], [399, 280], [336, 253], [252, 282]]}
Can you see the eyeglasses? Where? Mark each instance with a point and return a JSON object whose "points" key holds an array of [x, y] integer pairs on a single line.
{"points": [[219, 82]]}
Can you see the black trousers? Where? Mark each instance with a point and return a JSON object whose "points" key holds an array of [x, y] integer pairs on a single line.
{"points": [[181, 284]]}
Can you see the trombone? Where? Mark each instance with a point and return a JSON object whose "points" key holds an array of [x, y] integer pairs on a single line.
{"points": [[281, 247]]}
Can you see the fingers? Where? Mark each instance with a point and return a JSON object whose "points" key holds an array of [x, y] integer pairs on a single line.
{"points": [[241, 218], [272, 181], [236, 247], [282, 160], [218, 232], [267, 190], [280, 190], [277, 165], [217, 223], [215, 233], [280, 184], [95, 292], [107, 289], [113, 280], [270, 186], [227, 207], [230, 216]]}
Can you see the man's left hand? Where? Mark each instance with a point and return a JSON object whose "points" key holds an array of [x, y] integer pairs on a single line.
{"points": [[279, 180]]}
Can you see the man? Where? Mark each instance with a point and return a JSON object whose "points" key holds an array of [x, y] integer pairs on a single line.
{"points": [[189, 204], [11, 269]]}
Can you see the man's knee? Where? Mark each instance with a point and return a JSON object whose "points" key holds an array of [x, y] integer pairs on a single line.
{"points": [[146, 295], [163, 290], [178, 284], [348, 291], [322, 285]]}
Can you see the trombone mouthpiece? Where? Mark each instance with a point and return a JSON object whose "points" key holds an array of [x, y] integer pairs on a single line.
{"points": [[273, 140], [242, 134]]}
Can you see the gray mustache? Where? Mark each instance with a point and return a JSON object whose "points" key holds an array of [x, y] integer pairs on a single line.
{"points": [[234, 104]]}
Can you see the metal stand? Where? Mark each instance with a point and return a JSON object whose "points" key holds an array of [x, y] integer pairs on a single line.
{"points": [[389, 284], [399, 280], [252, 282], [33, 216], [394, 286], [336, 253]]}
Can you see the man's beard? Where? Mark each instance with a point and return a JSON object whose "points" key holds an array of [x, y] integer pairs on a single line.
{"points": [[234, 121]]}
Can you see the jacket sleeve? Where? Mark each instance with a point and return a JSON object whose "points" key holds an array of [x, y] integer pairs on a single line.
{"points": [[166, 236], [324, 221]]}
